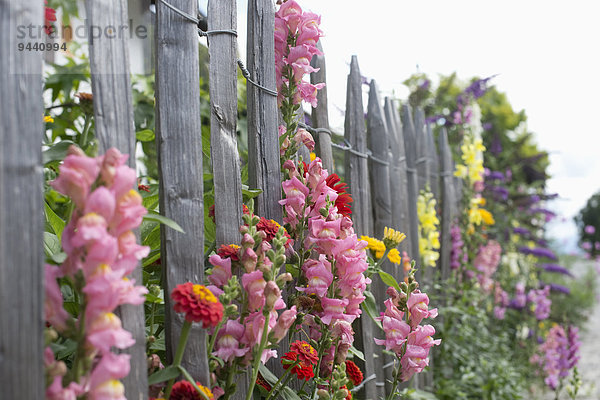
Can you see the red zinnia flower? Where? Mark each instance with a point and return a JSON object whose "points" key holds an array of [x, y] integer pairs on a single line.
{"points": [[198, 303], [270, 228], [349, 397], [306, 352], [302, 369], [145, 188], [263, 382], [354, 373], [344, 199], [230, 251], [183, 390]]}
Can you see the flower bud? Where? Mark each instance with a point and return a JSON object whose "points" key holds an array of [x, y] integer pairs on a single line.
{"points": [[284, 278], [272, 294], [323, 395]]}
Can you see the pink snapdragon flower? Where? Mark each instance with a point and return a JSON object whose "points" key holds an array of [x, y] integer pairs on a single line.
{"points": [[319, 279], [221, 271], [418, 307], [228, 341], [54, 312], [254, 283]]}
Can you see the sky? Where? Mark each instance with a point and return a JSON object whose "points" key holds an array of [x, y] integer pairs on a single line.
{"points": [[546, 55]]}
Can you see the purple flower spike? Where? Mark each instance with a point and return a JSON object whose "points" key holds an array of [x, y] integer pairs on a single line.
{"points": [[560, 288], [538, 252], [555, 268], [521, 231]]}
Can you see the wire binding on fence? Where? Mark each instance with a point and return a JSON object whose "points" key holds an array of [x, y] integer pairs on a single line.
{"points": [[246, 75], [196, 22], [421, 160], [357, 388], [346, 147]]}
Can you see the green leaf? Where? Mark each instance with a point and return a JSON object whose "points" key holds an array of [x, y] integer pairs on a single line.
{"points": [[51, 244], [145, 136], [389, 280], [250, 193], [59, 258], [154, 216], [171, 372], [356, 353], [56, 152], [370, 307], [57, 224], [285, 392], [150, 201]]}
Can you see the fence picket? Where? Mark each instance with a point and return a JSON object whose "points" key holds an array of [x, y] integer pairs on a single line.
{"points": [[263, 139], [377, 130], [398, 180], [422, 162], [225, 159], [113, 121], [180, 169], [434, 170], [448, 198], [22, 266], [357, 177], [320, 117], [410, 146]]}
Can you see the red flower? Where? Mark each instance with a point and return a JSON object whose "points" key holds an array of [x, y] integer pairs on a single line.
{"points": [[49, 16], [211, 211], [198, 303], [145, 188], [302, 370], [354, 373], [270, 228], [183, 390], [230, 251], [263, 382], [306, 352], [344, 199], [349, 397]]}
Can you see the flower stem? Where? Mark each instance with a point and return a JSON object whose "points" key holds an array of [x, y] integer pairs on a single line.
{"points": [[183, 338], [256, 363], [213, 338], [285, 377], [86, 129]]}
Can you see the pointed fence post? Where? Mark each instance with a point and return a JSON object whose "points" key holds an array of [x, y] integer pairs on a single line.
{"points": [[222, 50], [434, 170], [410, 146], [398, 181], [179, 148], [264, 169], [357, 177], [113, 120], [320, 118], [448, 198], [379, 168], [21, 221], [422, 162]]}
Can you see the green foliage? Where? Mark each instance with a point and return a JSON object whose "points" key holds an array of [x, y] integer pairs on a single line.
{"points": [[589, 215], [477, 358]]}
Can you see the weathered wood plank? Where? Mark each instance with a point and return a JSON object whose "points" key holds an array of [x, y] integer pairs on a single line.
{"points": [[448, 197], [113, 120], [21, 268], [398, 180], [180, 169], [434, 170], [320, 116], [422, 162], [410, 145], [222, 50], [263, 138], [357, 177], [379, 168]]}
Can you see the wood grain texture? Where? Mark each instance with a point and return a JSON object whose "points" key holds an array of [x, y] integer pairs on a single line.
{"points": [[357, 177], [448, 198], [113, 120], [434, 170], [320, 116], [410, 146], [22, 265], [263, 137], [180, 169], [398, 180], [222, 50], [377, 132], [422, 163]]}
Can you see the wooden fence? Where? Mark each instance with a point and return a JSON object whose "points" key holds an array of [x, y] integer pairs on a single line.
{"points": [[389, 159]]}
